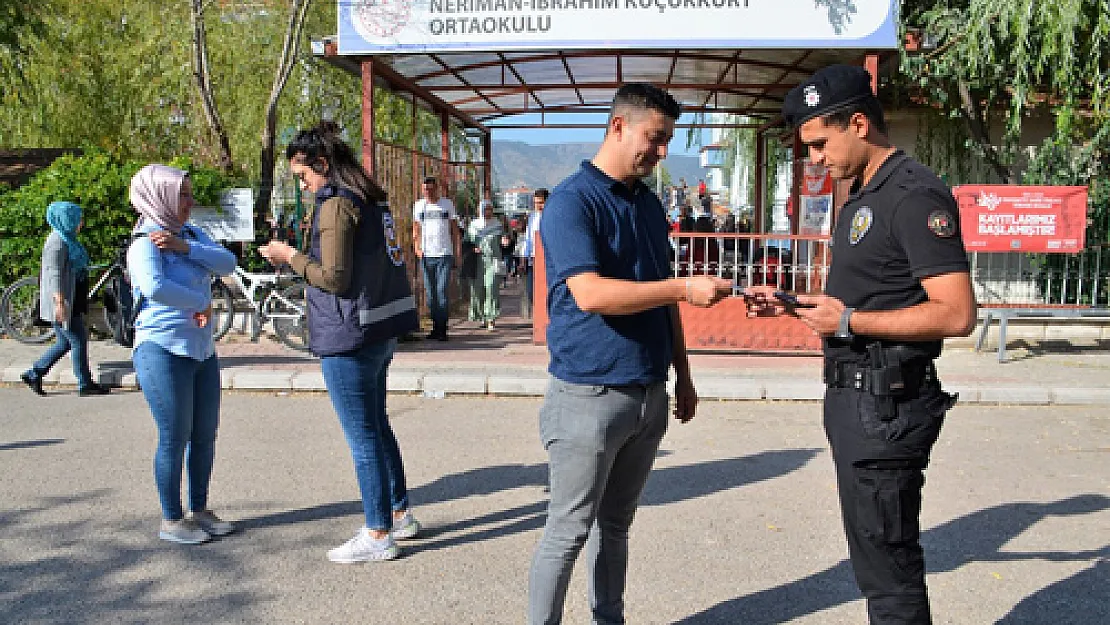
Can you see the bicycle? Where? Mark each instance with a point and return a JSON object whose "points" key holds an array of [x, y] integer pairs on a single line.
{"points": [[19, 303], [284, 306]]}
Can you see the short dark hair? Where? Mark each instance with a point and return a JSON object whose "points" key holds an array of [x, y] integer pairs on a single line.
{"points": [[541, 192], [642, 96], [869, 107], [430, 180]]}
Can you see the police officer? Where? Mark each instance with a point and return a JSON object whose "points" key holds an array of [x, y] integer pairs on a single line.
{"points": [[897, 286]]}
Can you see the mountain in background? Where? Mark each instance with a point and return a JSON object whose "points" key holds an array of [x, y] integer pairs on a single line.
{"points": [[516, 163]]}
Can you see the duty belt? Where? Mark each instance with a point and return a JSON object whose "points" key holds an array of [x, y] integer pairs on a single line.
{"points": [[889, 380]]}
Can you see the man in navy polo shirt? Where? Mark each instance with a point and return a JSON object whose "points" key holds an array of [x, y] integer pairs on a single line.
{"points": [[614, 332]]}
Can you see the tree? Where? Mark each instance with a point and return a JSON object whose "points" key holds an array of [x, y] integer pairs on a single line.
{"points": [[285, 65], [203, 77], [18, 23], [988, 60]]}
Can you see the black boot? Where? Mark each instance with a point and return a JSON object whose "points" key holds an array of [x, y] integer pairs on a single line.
{"points": [[34, 382], [92, 389]]}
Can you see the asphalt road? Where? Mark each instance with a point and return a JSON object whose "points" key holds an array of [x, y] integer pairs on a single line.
{"points": [[739, 523]]}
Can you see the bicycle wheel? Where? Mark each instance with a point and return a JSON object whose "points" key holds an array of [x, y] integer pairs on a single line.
{"points": [[19, 311], [223, 309], [287, 311], [113, 303]]}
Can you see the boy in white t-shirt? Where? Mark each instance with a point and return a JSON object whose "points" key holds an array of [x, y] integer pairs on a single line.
{"points": [[435, 237]]}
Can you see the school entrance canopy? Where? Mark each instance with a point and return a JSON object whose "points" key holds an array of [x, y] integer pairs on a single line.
{"points": [[488, 64]]}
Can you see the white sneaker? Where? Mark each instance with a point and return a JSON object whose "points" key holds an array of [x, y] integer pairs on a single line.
{"points": [[364, 548], [184, 531], [405, 527], [209, 522]]}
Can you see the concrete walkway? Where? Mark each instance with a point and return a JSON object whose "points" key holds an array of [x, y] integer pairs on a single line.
{"points": [[504, 362]]}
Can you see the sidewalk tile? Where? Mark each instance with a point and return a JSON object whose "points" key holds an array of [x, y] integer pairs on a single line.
{"points": [[796, 390], [263, 380], [456, 383], [1026, 396], [722, 387], [309, 381], [404, 381], [534, 386], [1081, 396]]}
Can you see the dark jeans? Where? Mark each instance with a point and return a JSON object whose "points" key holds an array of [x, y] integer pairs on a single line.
{"points": [[76, 338], [880, 474], [437, 278], [184, 398], [356, 385]]}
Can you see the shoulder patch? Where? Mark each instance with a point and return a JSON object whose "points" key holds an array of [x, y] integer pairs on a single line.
{"points": [[942, 223], [861, 223]]}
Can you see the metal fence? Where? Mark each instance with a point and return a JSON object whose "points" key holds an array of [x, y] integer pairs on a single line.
{"points": [[800, 263], [1081, 279], [790, 262]]}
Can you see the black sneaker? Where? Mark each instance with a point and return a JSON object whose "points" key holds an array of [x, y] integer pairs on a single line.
{"points": [[92, 389], [34, 383]]}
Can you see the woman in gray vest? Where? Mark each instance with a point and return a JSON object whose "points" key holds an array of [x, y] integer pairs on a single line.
{"points": [[359, 301], [63, 299]]}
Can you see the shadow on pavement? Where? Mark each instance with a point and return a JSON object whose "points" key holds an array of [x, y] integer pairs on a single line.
{"points": [[83, 570], [29, 444], [976, 537], [666, 485]]}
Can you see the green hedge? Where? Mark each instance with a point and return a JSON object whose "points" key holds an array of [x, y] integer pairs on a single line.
{"points": [[99, 183]]}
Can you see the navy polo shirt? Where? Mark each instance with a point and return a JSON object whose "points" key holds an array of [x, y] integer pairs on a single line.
{"points": [[593, 223]]}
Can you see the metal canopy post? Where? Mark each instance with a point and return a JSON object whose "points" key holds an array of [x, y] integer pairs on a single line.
{"points": [[368, 139]]}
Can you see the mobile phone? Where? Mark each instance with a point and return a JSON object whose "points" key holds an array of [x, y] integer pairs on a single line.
{"points": [[790, 300]]}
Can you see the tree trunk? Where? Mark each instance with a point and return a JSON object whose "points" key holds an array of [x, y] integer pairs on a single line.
{"points": [[204, 84], [975, 118], [289, 51]]}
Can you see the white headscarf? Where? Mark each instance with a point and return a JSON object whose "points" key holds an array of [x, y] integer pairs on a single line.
{"points": [[155, 193]]}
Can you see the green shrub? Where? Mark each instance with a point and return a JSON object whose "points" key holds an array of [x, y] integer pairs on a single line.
{"points": [[99, 183]]}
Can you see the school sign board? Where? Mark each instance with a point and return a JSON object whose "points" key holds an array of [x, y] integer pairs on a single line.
{"points": [[416, 26], [1016, 218]]}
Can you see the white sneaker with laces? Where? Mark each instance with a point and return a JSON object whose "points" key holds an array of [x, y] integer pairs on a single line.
{"points": [[209, 522], [364, 548], [183, 531], [405, 527]]}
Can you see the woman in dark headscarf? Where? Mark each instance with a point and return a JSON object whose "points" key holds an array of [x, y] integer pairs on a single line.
{"points": [[64, 299]]}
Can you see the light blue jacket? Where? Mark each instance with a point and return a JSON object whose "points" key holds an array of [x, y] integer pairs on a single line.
{"points": [[173, 286]]}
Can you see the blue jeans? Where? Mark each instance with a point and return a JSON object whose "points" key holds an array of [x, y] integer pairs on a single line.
{"points": [[184, 398], [76, 338], [356, 385], [601, 443], [437, 278]]}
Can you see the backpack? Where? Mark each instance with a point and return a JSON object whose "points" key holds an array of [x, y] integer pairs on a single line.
{"points": [[119, 301]]}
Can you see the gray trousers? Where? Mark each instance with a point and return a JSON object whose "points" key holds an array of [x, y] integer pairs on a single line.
{"points": [[601, 442]]}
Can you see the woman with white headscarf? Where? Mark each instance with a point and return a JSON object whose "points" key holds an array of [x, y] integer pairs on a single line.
{"points": [[63, 299], [175, 356]]}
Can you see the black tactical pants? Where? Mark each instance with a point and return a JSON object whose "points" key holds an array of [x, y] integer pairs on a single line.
{"points": [[880, 454]]}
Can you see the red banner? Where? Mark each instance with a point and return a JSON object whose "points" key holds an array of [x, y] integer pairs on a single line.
{"points": [[1013, 218]]}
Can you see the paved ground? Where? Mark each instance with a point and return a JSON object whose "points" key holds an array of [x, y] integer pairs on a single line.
{"points": [[739, 523], [504, 363]]}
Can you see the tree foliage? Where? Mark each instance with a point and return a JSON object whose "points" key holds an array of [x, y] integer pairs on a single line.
{"points": [[991, 65]]}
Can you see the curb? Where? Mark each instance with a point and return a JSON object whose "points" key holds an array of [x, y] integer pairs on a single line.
{"points": [[441, 383]]}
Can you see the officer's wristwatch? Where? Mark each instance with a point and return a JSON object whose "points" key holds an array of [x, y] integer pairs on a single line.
{"points": [[844, 329]]}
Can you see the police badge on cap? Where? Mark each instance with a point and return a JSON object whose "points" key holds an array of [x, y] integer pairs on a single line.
{"points": [[831, 89]]}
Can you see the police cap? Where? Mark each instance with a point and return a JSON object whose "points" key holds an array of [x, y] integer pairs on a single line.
{"points": [[829, 90]]}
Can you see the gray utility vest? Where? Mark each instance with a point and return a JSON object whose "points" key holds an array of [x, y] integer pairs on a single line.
{"points": [[378, 304]]}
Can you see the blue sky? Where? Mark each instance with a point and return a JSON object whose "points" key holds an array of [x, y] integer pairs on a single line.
{"points": [[549, 136]]}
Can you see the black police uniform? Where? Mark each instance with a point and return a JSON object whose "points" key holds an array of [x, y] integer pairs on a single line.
{"points": [[884, 405]]}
